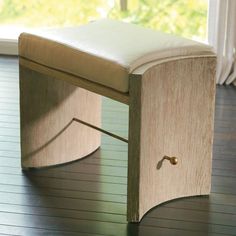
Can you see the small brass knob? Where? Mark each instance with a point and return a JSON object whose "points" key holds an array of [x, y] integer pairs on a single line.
{"points": [[173, 160]]}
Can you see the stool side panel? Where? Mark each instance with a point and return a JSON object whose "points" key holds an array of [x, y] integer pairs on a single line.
{"points": [[177, 112], [47, 107]]}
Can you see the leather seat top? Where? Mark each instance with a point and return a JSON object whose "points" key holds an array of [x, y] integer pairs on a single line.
{"points": [[105, 51]]}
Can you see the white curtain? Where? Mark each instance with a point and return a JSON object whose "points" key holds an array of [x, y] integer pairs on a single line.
{"points": [[222, 36]]}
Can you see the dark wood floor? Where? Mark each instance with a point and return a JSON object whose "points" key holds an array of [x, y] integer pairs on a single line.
{"points": [[88, 197]]}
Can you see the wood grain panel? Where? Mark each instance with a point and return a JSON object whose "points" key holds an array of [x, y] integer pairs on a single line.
{"points": [[171, 114], [49, 135]]}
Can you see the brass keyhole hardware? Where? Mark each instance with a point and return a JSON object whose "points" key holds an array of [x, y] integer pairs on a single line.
{"points": [[173, 160]]}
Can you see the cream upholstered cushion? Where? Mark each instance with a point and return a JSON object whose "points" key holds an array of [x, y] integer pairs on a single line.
{"points": [[105, 51]]}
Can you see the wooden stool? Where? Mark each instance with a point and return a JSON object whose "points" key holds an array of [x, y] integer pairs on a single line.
{"points": [[168, 83]]}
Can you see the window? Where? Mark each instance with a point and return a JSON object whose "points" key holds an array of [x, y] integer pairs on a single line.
{"points": [[182, 17]]}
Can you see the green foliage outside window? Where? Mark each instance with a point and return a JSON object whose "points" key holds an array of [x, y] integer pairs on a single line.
{"points": [[181, 17]]}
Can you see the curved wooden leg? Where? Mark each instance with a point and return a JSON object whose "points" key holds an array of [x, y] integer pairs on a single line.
{"points": [[48, 134], [171, 114]]}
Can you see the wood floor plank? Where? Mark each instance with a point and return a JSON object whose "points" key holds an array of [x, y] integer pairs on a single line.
{"points": [[55, 223], [30, 231]]}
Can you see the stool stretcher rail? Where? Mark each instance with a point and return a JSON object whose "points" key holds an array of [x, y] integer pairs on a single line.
{"points": [[101, 130]]}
